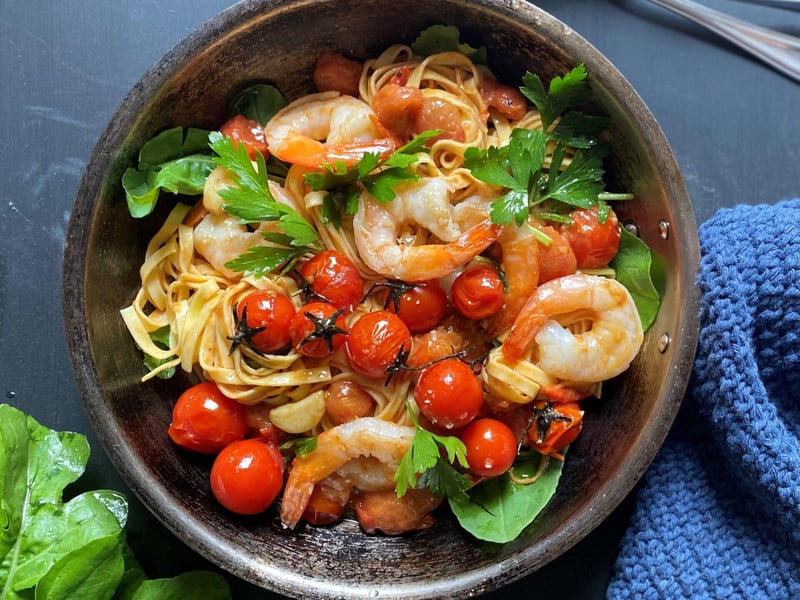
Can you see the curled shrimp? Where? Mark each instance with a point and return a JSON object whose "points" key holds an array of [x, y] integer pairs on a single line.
{"points": [[602, 352], [296, 133], [219, 237], [387, 234], [371, 437]]}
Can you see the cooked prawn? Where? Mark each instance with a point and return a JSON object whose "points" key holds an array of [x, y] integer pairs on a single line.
{"points": [[296, 133], [602, 352], [520, 264], [219, 237], [387, 234], [385, 441]]}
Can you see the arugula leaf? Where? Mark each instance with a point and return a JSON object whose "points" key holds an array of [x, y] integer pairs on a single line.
{"points": [[636, 268], [497, 509], [423, 464], [52, 549], [251, 200], [446, 38], [258, 102], [175, 160]]}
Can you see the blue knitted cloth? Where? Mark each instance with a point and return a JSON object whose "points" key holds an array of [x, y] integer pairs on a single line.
{"points": [[717, 515]]}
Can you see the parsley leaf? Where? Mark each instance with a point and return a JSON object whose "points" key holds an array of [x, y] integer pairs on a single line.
{"points": [[378, 178], [562, 94], [251, 200], [424, 465], [530, 166]]}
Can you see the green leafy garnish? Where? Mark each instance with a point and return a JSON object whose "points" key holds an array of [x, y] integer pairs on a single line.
{"points": [[423, 464], [497, 509], [74, 549], [258, 102], [160, 338], [378, 177], [175, 160], [530, 166], [446, 38], [251, 200], [637, 268]]}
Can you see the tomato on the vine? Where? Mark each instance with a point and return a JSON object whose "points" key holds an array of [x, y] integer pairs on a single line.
{"points": [[555, 427], [376, 341], [478, 292], [491, 447], [250, 134], [247, 476], [421, 306], [205, 420], [262, 321], [318, 329], [332, 276], [594, 243], [449, 393]]}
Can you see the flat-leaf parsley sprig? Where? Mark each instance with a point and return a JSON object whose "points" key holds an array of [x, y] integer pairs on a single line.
{"points": [[251, 200], [424, 465], [379, 178], [530, 166]]}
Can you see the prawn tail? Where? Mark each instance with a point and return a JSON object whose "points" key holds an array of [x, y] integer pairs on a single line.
{"points": [[296, 496], [522, 333]]}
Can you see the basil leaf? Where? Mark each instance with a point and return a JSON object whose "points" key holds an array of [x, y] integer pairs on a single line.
{"points": [[172, 144], [499, 509], [185, 175], [87, 573], [636, 268], [446, 38], [50, 549], [258, 102], [194, 584]]}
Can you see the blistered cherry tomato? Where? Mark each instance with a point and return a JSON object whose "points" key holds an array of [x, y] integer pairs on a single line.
{"points": [[332, 276], [205, 420], [248, 133], [421, 307], [326, 504], [594, 243], [449, 393], [334, 72], [555, 427], [477, 292], [491, 447], [318, 329], [263, 319], [396, 107], [375, 342], [346, 401], [247, 476]]}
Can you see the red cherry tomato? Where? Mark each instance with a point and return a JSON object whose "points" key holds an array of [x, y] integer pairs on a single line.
{"points": [[247, 476], [555, 427], [332, 276], [318, 329], [248, 133], [491, 447], [421, 307], [594, 243], [478, 293], [205, 420], [375, 341], [449, 393], [263, 319]]}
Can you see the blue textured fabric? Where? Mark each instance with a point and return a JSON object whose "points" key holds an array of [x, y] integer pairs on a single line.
{"points": [[717, 515]]}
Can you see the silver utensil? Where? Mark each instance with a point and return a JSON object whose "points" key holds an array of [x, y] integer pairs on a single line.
{"points": [[779, 50], [788, 4]]}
